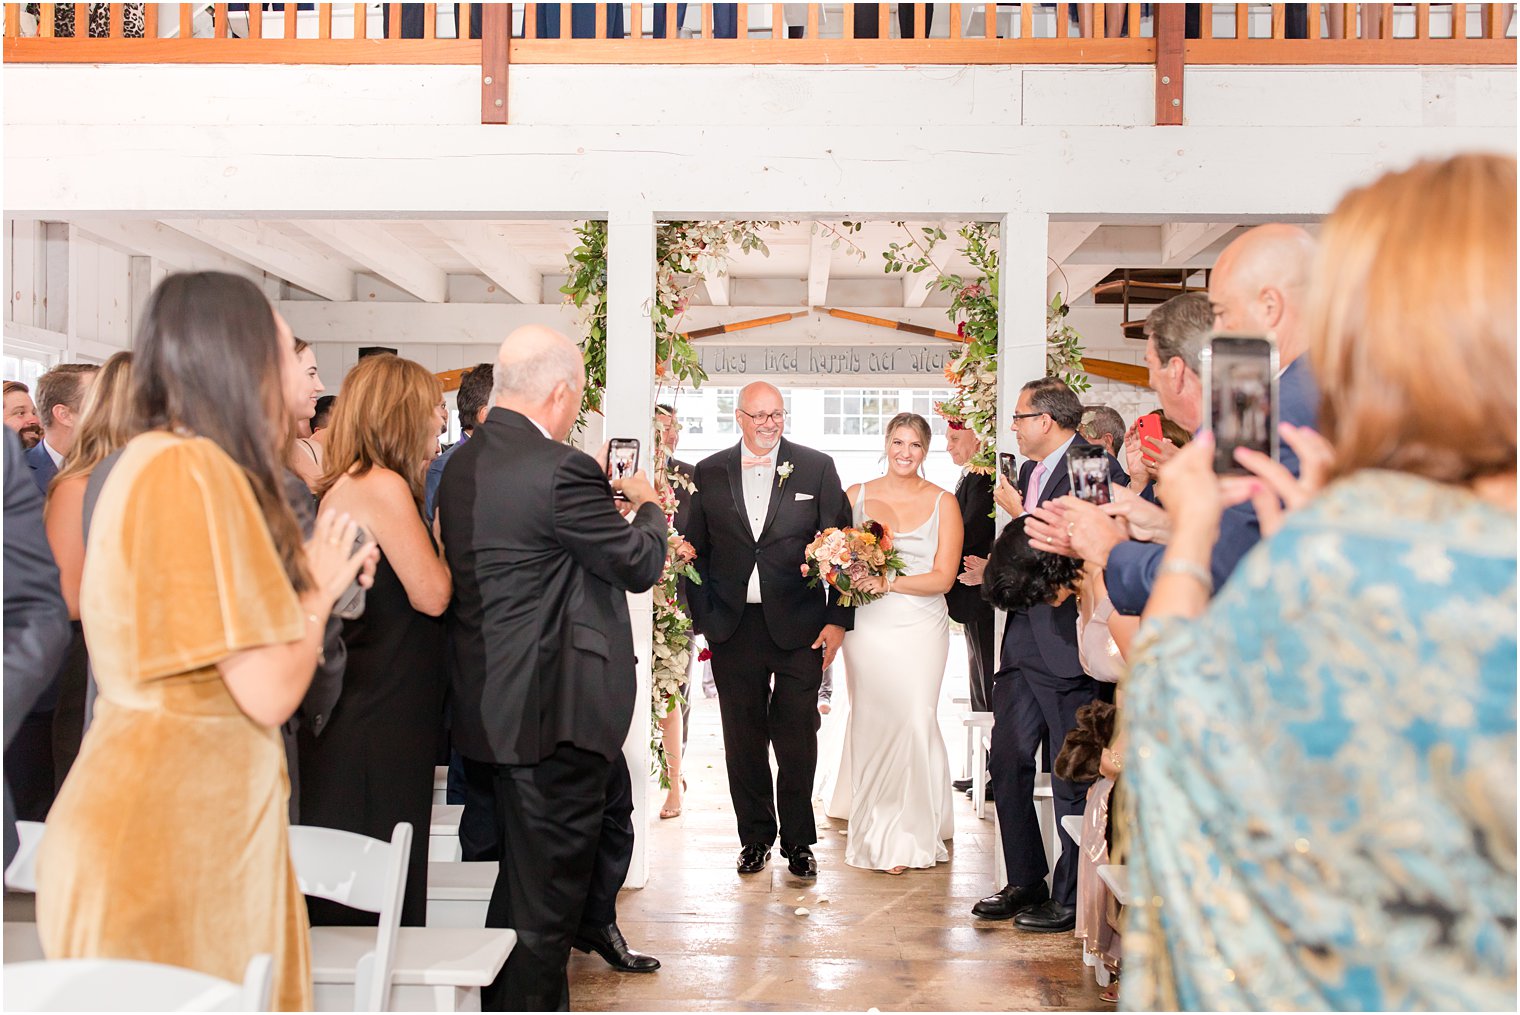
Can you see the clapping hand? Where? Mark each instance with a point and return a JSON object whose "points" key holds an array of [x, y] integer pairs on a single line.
{"points": [[1276, 491], [333, 568], [1046, 528], [1090, 532], [1189, 488], [974, 568], [1143, 520]]}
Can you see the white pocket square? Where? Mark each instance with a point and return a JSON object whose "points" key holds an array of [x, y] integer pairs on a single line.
{"points": [[802, 496]]}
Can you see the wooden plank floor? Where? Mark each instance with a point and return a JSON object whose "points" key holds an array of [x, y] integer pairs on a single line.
{"points": [[871, 940]]}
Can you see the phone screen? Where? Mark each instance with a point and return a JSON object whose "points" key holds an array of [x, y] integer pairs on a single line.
{"points": [[622, 458], [1007, 465], [1088, 467], [1240, 397]]}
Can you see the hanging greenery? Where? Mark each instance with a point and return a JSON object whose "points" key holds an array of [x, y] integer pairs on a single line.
{"points": [[974, 309], [672, 627]]}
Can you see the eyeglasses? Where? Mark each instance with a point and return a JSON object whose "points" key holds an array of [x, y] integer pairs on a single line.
{"points": [[1025, 415], [779, 416]]}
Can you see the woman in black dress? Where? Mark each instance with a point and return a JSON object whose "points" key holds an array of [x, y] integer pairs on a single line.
{"points": [[373, 764]]}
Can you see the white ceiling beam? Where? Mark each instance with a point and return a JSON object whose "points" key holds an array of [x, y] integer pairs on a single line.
{"points": [[917, 287], [1066, 237], [274, 252], [1182, 241], [142, 238], [1079, 278], [487, 246], [820, 257], [371, 245], [717, 288]]}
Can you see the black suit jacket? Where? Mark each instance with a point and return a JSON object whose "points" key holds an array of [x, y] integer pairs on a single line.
{"points": [[1055, 627], [802, 505], [36, 619], [541, 651], [974, 495]]}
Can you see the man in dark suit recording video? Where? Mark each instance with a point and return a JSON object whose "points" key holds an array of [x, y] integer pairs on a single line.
{"points": [[550, 703]]}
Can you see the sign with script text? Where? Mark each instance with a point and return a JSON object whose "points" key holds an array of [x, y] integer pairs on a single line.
{"points": [[827, 360]]}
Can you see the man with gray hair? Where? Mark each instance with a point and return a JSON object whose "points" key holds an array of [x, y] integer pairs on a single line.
{"points": [[1104, 427], [542, 665]]}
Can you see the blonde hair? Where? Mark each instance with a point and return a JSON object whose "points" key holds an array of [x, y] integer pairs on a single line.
{"points": [[912, 421], [1411, 321], [106, 419], [385, 420]]}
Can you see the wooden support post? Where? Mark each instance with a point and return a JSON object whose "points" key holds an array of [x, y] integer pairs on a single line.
{"points": [[361, 21], [186, 20], [1170, 32], [495, 27]]}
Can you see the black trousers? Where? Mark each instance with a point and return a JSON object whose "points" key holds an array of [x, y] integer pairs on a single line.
{"points": [[1026, 704], [480, 838], [550, 815], [979, 656], [761, 715]]}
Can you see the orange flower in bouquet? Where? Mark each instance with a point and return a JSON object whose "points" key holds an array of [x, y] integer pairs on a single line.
{"points": [[843, 557]]}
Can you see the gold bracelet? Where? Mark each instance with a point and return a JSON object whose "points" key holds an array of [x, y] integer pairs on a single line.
{"points": [[1197, 572]]}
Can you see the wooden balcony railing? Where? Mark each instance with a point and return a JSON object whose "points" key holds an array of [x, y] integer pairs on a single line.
{"points": [[761, 34]]}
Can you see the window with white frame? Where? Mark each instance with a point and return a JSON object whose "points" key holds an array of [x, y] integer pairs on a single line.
{"points": [[865, 412]]}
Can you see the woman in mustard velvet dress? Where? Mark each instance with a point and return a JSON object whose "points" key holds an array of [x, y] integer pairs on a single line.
{"points": [[204, 615]]}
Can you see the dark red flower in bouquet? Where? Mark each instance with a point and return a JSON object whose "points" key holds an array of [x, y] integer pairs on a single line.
{"points": [[876, 529], [704, 655]]}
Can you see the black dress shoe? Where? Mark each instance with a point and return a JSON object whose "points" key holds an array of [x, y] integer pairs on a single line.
{"points": [[800, 861], [971, 792], [1011, 901], [752, 858], [609, 944], [1049, 917], [961, 785]]}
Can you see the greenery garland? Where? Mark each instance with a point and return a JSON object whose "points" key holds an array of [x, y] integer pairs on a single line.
{"points": [[974, 308]]}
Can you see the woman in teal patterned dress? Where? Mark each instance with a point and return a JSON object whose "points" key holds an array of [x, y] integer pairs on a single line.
{"points": [[1321, 761]]}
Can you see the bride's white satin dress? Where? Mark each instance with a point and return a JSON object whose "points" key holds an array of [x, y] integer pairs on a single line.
{"points": [[894, 775]]}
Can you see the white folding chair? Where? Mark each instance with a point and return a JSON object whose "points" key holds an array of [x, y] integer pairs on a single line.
{"points": [[366, 874], [21, 875], [120, 985]]}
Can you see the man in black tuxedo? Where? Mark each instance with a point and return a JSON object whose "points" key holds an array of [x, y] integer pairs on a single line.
{"points": [[1039, 684], [756, 508], [549, 700], [967, 607]]}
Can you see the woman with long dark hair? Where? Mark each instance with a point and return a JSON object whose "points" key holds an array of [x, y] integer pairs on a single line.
{"points": [[204, 613]]}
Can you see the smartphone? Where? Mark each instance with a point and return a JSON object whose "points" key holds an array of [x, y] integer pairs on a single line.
{"points": [[1148, 427], [622, 460], [1008, 466], [1088, 466], [350, 605], [1240, 397]]}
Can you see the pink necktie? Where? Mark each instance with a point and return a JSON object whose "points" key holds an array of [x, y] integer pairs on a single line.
{"points": [[1032, 491], [755, 463]]}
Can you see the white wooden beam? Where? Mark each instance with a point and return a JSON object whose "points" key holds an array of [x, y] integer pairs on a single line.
{"points": [[487, 246], [142, 238], [717, 288], [378, 250], [917, 287], [820, 256], [1181, 241], [1066, 237], [274, 252], [1079, 278]]}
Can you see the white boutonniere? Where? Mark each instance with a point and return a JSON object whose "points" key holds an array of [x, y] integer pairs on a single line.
{"points": [[783, 473]]}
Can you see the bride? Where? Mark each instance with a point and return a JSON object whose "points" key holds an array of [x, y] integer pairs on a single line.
{"points": [[894, 776]]}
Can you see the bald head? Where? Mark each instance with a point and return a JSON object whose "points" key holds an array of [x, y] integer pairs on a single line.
{"points": [[539, 373], [1259, 283], [761, 415]]}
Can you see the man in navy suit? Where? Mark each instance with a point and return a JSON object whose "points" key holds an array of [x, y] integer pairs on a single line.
{"points": [[1039, 683], [1257, 288], [60, 399]]}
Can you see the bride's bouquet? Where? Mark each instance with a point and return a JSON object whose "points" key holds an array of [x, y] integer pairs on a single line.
{"points": [[842, 557]]}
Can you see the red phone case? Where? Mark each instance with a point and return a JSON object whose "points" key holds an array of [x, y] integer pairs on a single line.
{"points": [[1148, 426]]}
